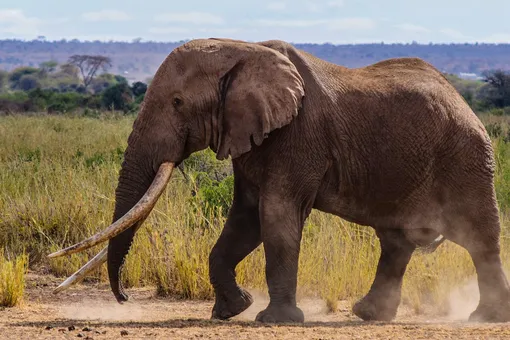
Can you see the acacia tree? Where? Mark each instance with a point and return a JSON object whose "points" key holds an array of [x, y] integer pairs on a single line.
{"points": [[89, 65], [499, 82]]}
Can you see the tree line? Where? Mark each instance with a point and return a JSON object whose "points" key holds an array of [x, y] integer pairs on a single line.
{"points": [[83, 82], [141, 59]]}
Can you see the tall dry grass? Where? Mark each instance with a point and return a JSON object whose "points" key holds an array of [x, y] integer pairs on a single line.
{"points": [[12, 280], [57, 181]]}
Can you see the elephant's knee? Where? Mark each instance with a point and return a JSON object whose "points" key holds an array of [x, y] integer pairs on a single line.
{"points": [[214, 258], [218, 266]]}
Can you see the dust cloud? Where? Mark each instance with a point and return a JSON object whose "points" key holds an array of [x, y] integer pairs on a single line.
{"points": [[313, 308], [100, 310], [463, 300]]}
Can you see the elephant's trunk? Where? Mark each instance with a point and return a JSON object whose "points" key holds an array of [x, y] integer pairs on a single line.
{"points": [[131, 186], [137, 193], [133, 183]]}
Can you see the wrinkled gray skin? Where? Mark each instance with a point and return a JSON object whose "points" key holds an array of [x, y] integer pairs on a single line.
{"points": [[392, 146]]}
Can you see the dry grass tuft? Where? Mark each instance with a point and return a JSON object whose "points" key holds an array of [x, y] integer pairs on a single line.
{"points": [[12, 280]]}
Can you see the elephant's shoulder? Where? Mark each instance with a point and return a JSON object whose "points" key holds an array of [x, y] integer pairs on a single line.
{"points": [[401, 69], [408, 65]]}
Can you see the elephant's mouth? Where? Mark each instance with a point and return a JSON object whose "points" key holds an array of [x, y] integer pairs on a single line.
{"points": [[139, 212]]}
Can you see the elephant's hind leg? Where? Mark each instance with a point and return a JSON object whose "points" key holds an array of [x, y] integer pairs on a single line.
{"points": [[478, 231], [382, 301], [240, 236]]}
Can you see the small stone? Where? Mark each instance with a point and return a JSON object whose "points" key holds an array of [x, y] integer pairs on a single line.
{"points": [[87, 329], [103, 332], [62, 330], [124, 332], [48, 328], [80, 335], [89, 338], [71, 328]]}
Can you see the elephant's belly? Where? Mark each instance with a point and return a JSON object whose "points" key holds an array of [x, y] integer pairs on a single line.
{"points": [[342, 207], [380, 206], [387, 215]]}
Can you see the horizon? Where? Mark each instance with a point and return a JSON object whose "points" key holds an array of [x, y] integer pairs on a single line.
{"points": [[335, 22], [142, 41]]}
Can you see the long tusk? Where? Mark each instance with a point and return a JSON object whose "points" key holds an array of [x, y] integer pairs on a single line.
{"points": [[143, 207], [97, 261]]}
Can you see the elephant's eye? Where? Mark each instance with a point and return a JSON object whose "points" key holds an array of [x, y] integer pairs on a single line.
{"points": [[177, 102]]}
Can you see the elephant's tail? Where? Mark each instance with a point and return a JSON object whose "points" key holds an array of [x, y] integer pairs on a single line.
{"points": [[430, 248]]}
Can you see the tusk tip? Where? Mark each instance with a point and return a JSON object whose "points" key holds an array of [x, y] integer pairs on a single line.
{"points": [[56, 254], [58, 289]]}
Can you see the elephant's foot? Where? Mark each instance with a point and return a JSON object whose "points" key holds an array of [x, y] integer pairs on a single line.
{"points": [[281, 314], [226, 308], [498, 312], [371, 309]]}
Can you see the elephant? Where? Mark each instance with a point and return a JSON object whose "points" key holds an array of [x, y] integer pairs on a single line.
{"points": [[392, 146]]}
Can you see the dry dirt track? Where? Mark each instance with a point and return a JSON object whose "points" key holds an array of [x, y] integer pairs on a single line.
{"points": [[93, 314]]}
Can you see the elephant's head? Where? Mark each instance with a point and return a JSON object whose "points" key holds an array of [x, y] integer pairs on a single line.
{"points": [[224, 94]]}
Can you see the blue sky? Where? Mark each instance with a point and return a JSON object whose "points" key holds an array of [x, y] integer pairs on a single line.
{"points": [[334, 21]]}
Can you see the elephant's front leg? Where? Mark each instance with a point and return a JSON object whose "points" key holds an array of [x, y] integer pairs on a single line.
{"points": [[382, 301], [240, 236], [281, 227]]}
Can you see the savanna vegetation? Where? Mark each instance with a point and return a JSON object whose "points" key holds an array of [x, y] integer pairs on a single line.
{"points": [[57, 179], [58, 174], [82, 84]]}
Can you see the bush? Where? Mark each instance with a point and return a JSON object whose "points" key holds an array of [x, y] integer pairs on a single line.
{"points": [[4, 77], [16, 102], [29, 82], [139, 89], [215, 195], [65, 102], [118, 97], [12, 280], [16, 75]]}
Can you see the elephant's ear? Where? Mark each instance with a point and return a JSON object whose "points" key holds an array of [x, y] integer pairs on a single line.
{"points": [[262, 92]]}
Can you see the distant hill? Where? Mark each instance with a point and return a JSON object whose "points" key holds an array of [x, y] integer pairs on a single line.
{"points": [[140, 60]]}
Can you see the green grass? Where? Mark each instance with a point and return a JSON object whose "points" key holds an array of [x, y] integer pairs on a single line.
{"points": [[57, 181]]}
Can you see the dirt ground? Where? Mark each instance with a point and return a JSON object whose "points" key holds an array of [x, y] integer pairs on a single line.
{"points": [[89, 311]]}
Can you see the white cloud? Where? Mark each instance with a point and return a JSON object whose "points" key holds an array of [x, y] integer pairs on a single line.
{"points": [[335, 24], [352, 24], [289, 23], [412, 28], [168, 30], [454, 34], [15, 22], [337, 3], [196, 18], [12, 16], [106, 15], [311, 6], [277, 6], [498, 38]]}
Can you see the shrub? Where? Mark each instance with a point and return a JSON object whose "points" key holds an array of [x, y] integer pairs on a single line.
{"points": [[29, 82], [65, 102], [138, 88], [118, 97], [17, 74], [12, 280], [213, 194]]}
